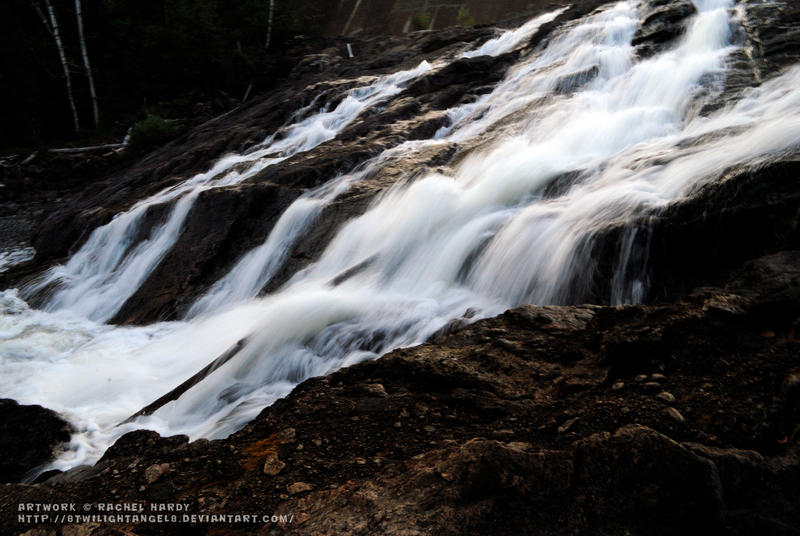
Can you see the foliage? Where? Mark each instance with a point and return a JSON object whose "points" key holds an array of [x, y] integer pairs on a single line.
{"points": [[464, 17], [420, 20], [149, 133]]}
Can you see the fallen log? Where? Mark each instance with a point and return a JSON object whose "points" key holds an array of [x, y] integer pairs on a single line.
{"points": [[88, 149], [188, 384]]}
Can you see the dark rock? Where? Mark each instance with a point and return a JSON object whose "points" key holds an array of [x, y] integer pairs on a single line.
{"points": [[773, 31], [574, 81], [662, 24], [28, 435], [701, 239]]}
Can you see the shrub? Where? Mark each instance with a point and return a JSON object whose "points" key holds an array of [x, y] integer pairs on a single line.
{"points": [[149, 133], [464, 17], [420, 20]]}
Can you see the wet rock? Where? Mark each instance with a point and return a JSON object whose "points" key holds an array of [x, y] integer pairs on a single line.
{"points": [[576, 80], [773, 33], [28, 437], [703, 239], [663, 22]]}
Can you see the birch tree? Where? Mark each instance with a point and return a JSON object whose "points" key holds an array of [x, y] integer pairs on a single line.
{"points": [[86, 64], [269, 23], [51, 24]]}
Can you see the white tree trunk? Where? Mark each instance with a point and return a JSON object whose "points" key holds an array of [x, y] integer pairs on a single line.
{"points": [[269, 23], [86, 64], [63, 57]]}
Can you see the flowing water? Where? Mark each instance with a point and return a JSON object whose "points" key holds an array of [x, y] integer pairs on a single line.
{"points": [[484, 236]]}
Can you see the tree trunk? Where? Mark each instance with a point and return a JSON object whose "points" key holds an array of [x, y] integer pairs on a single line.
{"points": [[86, 64], [53, 28], [269, 23], [350, 19]]}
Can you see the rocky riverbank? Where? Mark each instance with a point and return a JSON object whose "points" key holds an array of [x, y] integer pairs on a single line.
{"points": [[677, 418]]}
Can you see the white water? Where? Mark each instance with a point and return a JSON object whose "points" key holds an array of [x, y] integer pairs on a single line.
{"points": [[109, 268], [481, 237], [252, 272], [511, 40], [15, 256]]}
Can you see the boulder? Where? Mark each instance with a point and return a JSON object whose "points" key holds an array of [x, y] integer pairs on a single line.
{"points": [[28, 437]]}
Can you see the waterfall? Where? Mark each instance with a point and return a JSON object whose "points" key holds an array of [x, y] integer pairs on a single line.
{"points": [[109, 268], [580, 135]]}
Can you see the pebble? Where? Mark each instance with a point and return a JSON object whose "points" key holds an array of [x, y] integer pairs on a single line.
{"points": [[664, 396], [641, 377], [273, 465], [617, 386], [658, 377], [155, 471], [674, 414], [299, 487]]}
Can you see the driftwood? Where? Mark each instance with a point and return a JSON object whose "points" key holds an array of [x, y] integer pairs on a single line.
{"points": [[88, 149], [188, 384]]}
